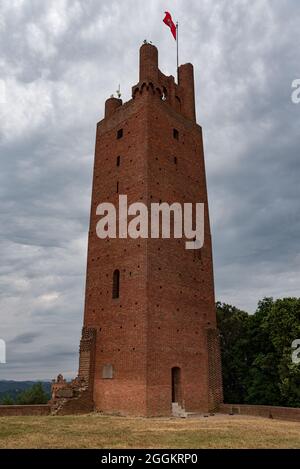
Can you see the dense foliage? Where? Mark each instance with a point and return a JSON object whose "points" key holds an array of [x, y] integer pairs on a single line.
{"points": [[257, 353], [35, 394]]}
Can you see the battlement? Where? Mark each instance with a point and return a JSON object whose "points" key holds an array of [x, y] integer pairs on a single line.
{"points": [[181, 96]]}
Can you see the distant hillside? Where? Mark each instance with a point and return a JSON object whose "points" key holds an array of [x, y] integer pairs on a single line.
{"points": [[14, 388]]}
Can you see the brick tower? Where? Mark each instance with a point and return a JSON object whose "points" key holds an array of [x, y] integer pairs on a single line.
{"points": [[149, 337]]}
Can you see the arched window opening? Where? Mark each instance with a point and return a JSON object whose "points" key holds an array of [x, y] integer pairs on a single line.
{"points": [[165, 94], [116, 284]]}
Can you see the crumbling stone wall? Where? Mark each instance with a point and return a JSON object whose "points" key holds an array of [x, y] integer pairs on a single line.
{"points": [[76, 397]]}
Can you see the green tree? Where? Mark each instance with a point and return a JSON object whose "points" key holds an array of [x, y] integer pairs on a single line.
{"points": [[33, 395], [7, 400], [233, 326], [283, 323], [262, 378], [257, 355]]}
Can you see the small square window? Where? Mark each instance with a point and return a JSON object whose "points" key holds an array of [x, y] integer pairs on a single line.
{"points": [[176, 134], [119, 134], [107, 372]]}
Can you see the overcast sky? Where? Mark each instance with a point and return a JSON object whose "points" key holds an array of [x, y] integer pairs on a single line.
{"points": [[59, 61]]}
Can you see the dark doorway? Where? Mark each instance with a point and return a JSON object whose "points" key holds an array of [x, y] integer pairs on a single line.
{"points": [[176, 385]]}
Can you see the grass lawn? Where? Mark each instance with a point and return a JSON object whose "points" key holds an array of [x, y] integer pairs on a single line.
{"points": [[98, 431]]}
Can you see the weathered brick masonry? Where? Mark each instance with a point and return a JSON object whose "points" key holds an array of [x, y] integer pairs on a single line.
{"points": [[150, 338]]}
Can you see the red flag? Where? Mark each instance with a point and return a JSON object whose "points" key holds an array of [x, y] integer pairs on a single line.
{"points": [[169, 22]]}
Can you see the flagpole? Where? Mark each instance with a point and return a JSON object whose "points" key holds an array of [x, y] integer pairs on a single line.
{"points": [[177, 37]]}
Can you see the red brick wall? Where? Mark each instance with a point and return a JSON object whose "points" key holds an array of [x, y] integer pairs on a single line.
{"points": [[180, 282], [281, 413], [121, 323], [167, 293], [23, 410]]}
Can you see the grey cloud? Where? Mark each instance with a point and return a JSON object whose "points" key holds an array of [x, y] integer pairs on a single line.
{"points": [[26, 338], [60, 60]]}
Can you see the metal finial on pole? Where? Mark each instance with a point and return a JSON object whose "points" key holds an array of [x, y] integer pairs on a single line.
{"points": [[119, 92]]}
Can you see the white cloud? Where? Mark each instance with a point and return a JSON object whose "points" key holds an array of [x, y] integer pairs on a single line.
{"points": [[38, 41], [28, 106]]}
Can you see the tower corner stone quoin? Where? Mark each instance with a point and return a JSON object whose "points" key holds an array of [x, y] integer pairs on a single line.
{"points": [[150, 343]]}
